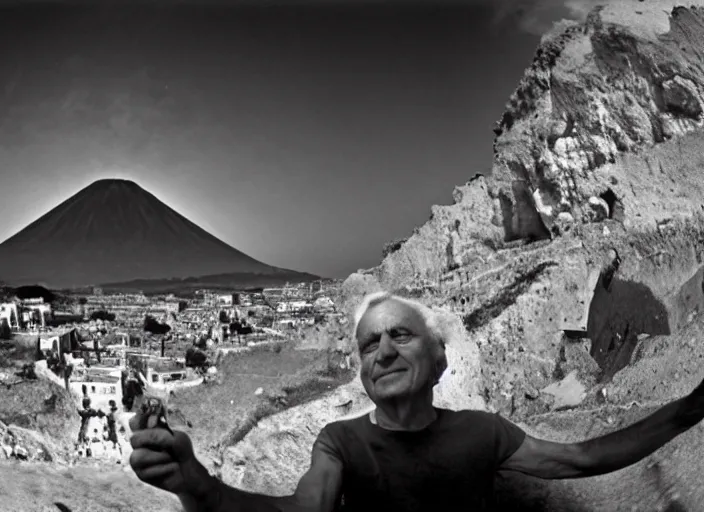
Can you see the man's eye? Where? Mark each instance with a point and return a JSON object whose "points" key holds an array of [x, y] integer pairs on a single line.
{"points": [[370, 347], [401, 335]]}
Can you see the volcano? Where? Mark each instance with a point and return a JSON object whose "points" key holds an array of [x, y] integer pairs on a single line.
{"points": [[114, 232]]}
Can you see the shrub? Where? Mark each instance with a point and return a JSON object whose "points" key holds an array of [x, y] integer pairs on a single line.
{"points": [[195, 358], [393, 246], [102, 315], [153, 326]]}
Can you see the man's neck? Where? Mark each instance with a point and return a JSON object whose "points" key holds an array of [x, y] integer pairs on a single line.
{"points": [[404, 415]]}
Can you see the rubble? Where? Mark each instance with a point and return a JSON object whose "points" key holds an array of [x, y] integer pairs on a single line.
{"points": [[26, 445]]}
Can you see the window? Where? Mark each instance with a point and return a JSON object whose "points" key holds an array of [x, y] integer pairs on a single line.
{"points": [[155, 378]]}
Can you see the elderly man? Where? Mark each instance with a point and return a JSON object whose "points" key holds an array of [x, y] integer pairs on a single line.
{"points": [[408, 455]]}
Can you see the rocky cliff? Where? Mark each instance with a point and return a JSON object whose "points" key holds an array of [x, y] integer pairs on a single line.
{"points": [[572, 277]]}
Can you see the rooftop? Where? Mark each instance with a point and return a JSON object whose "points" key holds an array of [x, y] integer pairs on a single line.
{"points": [[59, 331], [98, 378]]}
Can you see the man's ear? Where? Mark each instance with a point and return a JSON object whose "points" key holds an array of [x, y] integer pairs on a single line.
{"points": [[440, 361]]}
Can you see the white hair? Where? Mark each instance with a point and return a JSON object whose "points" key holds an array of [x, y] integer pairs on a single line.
{"points": [[430, 319]]}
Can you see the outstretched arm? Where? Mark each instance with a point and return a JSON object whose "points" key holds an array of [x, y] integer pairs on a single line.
{"points": [[165, 459], [318, 491], [611, 452]]}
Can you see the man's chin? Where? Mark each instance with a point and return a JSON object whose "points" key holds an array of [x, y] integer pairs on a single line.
{"points": [[389, 390]]}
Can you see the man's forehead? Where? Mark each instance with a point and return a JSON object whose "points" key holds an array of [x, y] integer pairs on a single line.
{"points": [[388, 314]]}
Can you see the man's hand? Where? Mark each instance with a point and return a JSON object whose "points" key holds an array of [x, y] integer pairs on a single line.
{"points": [[167, 461]]}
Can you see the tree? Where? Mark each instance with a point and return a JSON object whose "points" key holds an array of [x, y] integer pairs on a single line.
{"points": [[195, 358], [102, 315], [135, 341], [5, 331], [34, 292], [153, 326], [6, 293], [240, 328]]}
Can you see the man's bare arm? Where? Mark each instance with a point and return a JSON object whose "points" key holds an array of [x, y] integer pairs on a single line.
{"points": [[318, 491], [629, 445], [545, 459], [611, 452]]}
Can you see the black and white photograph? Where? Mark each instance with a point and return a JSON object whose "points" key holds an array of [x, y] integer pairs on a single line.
{"points": [[351, 255]]}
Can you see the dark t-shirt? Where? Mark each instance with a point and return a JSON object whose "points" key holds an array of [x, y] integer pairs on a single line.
{"points": [[448, 466]]}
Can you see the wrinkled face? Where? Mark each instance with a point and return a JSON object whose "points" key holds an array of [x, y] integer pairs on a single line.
{"points": [[395, 352]]}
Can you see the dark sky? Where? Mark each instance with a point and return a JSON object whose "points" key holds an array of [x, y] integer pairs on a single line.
{"points": [[306, 137]]}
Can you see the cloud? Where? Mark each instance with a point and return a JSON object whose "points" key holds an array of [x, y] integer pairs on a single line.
{"points": [[538, 16]]}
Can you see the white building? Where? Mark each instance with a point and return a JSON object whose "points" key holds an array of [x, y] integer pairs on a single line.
{"points": [[225, 299], [9, 313], [324, 303], [101, 387], [293, 306]]}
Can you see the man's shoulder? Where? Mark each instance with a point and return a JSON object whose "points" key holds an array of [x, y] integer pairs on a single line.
{"points": [[359, 420], [467, 415], [337, 436], [353, 421], [469, 420]]}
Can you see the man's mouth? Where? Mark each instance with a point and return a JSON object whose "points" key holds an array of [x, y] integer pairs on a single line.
{"points": [[386, 374]]}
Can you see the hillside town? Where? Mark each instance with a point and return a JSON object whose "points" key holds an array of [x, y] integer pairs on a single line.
{"points": [[110, 350]]}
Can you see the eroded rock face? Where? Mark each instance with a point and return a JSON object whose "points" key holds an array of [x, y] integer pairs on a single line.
{"points": [[21, 444], [458, 235], [581, 132]]}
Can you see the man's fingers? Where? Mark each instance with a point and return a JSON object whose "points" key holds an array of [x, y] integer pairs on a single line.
{"points": [[158, 472], [142, 458], [135, 422], [154, 438]]}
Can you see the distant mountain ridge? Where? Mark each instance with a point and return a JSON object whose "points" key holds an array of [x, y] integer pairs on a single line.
{"points": [[114, 231]]}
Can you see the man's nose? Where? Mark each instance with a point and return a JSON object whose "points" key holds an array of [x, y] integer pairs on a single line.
{"points": [[387, 349]]}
